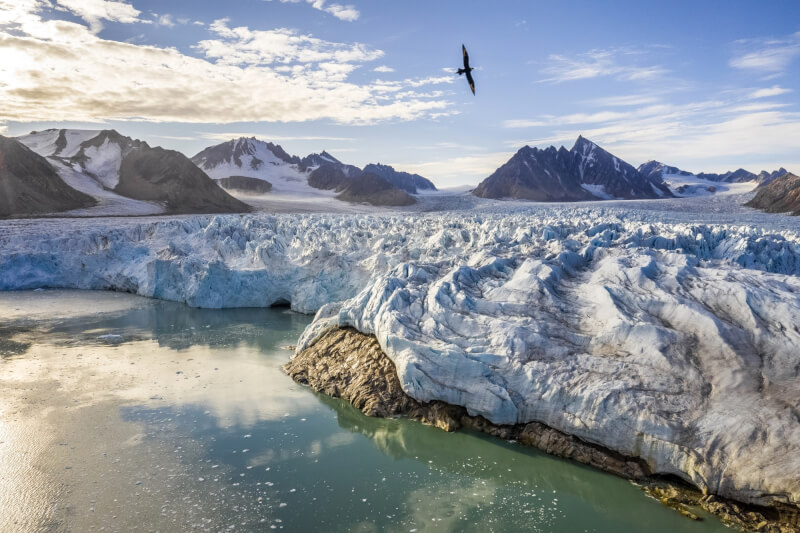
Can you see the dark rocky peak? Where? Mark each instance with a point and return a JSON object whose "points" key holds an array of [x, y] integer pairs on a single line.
{"points": [[411, 183], [318, 160]]}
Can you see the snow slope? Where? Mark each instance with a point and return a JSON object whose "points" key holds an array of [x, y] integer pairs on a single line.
{"points": [[91, 169], [675, 342], [253, 158]]}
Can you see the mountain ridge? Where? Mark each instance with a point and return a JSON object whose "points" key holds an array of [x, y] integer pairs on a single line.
{"points": [[585, 172]]}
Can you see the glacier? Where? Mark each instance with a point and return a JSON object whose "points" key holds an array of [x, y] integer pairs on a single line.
{"points": [[676, 342]]}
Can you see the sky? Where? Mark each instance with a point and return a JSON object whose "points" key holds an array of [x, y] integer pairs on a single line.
{"points": [[703, 85]]}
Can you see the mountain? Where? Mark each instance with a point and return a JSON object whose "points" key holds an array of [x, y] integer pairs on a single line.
{"points": [[30, 185], [764, 177], [411, 183], [127, 176], [370, 188], [247, 157], [656, 169], [169, 177], [781, 195], [735, 176], [586, 172], [312, 175]]}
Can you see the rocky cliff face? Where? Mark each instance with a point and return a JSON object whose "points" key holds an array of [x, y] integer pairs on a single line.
{"points": [[245, 185], [781, 195], [586, 172], [372, 189], [169, 177], [30, 185]]}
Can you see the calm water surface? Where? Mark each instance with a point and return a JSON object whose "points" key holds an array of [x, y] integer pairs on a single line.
{"points": [[120, 413]]}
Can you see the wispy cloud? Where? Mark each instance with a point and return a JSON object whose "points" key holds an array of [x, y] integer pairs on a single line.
{"points": [[452, 171], [766, 55], [707, 135], [599, 63], [56, 70], [264, 136], [342, 12], [383, 68], [165, 20], [625, 100], [775, 90]]}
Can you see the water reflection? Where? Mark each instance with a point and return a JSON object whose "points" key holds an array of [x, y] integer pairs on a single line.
{"points": [[183, 420]]}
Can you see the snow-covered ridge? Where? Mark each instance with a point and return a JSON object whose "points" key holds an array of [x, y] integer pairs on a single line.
{"points": [[677, 343]]}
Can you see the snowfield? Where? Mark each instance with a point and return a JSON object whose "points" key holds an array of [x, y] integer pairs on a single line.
{"points": [[648, 332]]}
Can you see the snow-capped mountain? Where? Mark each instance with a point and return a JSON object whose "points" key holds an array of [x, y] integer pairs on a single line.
{"points": [[656, 169], [252, 158], [411, 183], [586, 172], [30, 184], [129, 177], [685, 183], [317, 174], [681, 183], [734, 176]]}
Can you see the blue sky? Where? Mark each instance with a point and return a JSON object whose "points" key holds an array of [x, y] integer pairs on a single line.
{"points": [[706, 86]]}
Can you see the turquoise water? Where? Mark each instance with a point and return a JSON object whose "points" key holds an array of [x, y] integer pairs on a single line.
{"points": [[123, 413]]}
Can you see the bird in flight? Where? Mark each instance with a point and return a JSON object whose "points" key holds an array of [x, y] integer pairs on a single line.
{"points": [[467, 69]]}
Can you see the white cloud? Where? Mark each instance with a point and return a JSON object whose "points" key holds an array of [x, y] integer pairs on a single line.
{"points": [[54, 70], [343, 12], [243, 46], [767, 55], [704, 136], [383, 68], [96, 11], [165, 20], [598, 63], [775, 90]]}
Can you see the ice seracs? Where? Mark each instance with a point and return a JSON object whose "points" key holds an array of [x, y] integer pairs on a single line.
{"points": [[673, 342]]}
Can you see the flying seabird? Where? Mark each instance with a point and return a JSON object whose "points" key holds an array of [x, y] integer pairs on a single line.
{"points": [[467, 69]]}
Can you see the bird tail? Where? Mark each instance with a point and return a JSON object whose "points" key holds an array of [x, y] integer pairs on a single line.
{"points": [[461, 71]]}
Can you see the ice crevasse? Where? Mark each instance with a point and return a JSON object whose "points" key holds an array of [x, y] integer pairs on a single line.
{"points": [[676, 343]]}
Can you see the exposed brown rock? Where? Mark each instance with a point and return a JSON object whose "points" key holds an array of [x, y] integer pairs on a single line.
{"points": [[158, 175], [29, 184], [348, 364], [781, 195], [245, 184]]}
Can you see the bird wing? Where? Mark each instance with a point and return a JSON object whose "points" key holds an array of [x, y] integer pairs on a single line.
{"points": [[466, 56], [471, 81]]}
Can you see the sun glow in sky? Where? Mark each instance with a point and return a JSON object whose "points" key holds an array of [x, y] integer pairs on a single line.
{"points": [[705, 86]]}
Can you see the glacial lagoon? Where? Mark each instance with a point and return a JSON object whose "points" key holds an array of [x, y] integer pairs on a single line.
{"points": [[121, 413]]}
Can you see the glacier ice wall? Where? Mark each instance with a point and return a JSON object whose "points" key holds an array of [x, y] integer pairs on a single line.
{"points": [[677, 343]]}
